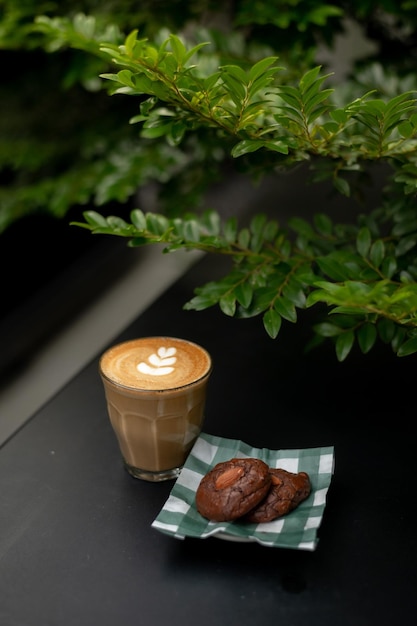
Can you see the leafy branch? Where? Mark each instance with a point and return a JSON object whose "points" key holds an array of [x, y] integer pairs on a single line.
{"points": [[180, 89], [296, 121], [363, 273], [273, 274]]}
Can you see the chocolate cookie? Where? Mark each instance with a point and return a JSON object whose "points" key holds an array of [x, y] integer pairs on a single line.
{"points": [[232, 488], [285, 494]]}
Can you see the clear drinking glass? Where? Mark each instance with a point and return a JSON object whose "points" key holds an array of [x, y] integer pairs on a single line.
{"points": [[155, 389]]}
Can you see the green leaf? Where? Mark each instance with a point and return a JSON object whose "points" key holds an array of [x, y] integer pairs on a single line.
{"points": [[244, 293], [398, 338], [326, 329], [260, 67], [339, 115], [277, 146], [311, 104], [206, 296], [244, 238], [321, 13], [156, 224], [332, 268], [94, 219], [286, 309], [178, 48], [389, 267], [302, 227], [272, 323], [363, 241], [323, 223], [246, 146], [408, 347], [200, 302], [230, 230], [192, 230], [291, 96], [138, 219], [155, 129], [406, 244], [348, 310], [211, 222], [309, 78], [342, 186], [235, 79], [404, 227], [377, 252], [386, 329], [256, 227], [192, 51], [366, 335], [406, 129], [117, 223], [330, 127], [237, 72], [257, 223], [293, 291], [227, 304], [270, 230], [344, 343], [125, 78], [130, 42]]}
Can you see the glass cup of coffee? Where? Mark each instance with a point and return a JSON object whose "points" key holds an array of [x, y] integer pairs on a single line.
{"points": [[155, 389]]}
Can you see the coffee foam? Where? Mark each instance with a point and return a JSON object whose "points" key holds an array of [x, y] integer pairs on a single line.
{"points": [[155, 363]]}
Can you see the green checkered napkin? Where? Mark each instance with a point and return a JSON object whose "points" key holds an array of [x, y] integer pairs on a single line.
{"points": [[297, 530]]}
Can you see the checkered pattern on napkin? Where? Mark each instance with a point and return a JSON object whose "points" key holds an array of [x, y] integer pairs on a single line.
{"points": [[298, 529]]}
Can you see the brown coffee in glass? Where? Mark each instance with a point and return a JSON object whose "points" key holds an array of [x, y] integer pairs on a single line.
{"points": [[155, 389]]}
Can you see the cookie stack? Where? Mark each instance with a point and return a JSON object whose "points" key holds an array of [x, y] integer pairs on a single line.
{"points": [[247, 489]]}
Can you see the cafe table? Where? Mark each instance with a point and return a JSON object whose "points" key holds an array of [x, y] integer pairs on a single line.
{"points": [[77, 545]]}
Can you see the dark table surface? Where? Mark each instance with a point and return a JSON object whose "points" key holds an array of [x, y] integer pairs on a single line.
{"points": [[76, 543]]}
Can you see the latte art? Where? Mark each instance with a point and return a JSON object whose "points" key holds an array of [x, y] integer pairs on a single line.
{"points": [[159, 364], [156, 363]]}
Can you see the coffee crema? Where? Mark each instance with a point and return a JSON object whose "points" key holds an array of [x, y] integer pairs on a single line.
{"points": [[156, 363]]}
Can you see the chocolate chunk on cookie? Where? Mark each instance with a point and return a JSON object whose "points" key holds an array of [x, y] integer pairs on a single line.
{"points": [[232, 488], [285, 494]]}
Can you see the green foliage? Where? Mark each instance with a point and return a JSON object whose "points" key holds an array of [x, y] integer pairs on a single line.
{"points": [[366, 278], [234, 85], [254, 109]]}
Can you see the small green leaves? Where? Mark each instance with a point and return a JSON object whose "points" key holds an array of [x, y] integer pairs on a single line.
{"points": [[255, 106], [363, 272], [272, 279], [305, 104], [369, 291], [387, 121]]}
